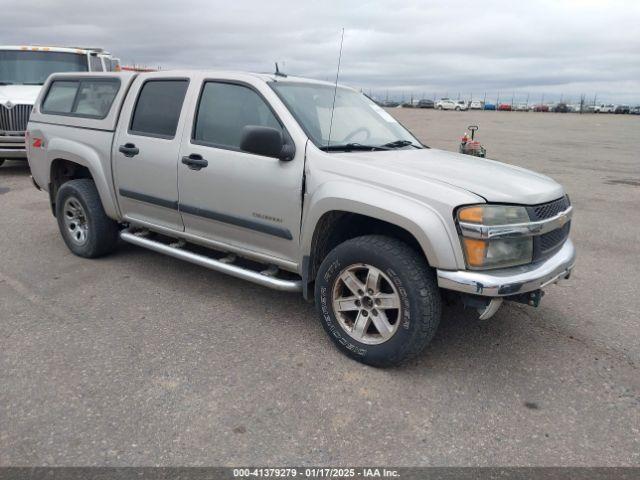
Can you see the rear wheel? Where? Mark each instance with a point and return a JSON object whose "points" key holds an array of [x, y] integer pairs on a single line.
{"points": [[378, 300], [83, 223]]}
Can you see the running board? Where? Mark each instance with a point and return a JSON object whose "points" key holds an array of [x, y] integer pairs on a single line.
{"points": [[212, 263]]}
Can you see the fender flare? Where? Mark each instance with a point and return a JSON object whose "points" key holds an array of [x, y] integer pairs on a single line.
{"points": [[82, 154], [426, 225]]}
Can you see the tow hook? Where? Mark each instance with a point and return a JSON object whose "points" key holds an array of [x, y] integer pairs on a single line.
{"points": [[490, 310], [486, 307]]}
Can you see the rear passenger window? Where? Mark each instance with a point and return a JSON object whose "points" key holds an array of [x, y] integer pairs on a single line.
{"points": [[225, 109], [158, 108], [83, 98]]}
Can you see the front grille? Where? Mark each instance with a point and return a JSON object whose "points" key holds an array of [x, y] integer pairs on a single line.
{"points": [[554, 239], [548, 244], [549, 209], [14, 119]]}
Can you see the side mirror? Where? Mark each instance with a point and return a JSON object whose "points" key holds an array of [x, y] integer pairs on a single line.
{"points": [[266, 141]]}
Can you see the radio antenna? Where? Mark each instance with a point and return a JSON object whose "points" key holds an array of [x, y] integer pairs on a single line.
{"points": [[278, 72], [335, 89]]}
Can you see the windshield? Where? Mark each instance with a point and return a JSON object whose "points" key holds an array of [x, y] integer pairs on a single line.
{"points": [[356, 120], [21, 67]]}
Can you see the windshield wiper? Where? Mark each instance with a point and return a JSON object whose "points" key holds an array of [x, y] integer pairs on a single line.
{"points": [[399, 144], [348, 147]]}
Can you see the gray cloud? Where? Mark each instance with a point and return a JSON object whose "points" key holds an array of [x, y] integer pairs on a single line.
{"points": [[499, 46]]}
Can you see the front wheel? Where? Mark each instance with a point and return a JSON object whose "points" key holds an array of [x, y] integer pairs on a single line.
{"points": [[84, 225], [378, 300]]}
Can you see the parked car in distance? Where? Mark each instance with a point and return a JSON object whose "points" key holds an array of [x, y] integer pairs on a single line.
{"points": [[521, 107], [446, 104], [489, 106], [390, 104], [426, 103], [361, 218], [449, 104], [407, 105], [23, 70], [506, 107], [621, 109], [561, 108], [635, 110], [541, 108], [476, 105], [602, 108]]}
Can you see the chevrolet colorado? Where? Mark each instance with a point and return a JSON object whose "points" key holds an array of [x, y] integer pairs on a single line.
{"points": [[297, 185]]}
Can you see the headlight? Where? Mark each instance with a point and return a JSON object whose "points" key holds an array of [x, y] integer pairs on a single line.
{"points": [[493, 214], [480, 253]]}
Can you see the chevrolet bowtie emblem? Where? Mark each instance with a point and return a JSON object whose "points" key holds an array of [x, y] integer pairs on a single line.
{"points": [[563, 219]]}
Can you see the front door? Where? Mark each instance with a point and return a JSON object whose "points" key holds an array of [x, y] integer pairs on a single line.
{"points": [[146, 151], [250, 201]]}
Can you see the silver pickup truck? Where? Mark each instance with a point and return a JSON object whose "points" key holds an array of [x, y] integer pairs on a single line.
{"points": [[297, 185]]}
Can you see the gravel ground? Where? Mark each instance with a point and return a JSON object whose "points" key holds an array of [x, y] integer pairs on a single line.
{"points": [[140, 359]]}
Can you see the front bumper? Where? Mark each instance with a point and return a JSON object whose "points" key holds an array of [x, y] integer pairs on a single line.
{"points": [[12, 146], [511, 281]]}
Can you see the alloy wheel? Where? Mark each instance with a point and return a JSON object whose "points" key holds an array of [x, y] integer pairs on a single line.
{"points": [[366, 304]]}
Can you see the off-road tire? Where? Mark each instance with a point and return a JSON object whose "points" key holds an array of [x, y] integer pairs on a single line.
{"points": [[102, 231], [415, 283]]}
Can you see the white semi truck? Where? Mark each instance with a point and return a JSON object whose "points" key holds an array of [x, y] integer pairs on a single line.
{"points": [[23, 71]]}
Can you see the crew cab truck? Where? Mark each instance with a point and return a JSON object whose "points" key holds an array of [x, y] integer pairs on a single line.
{"points": [[297, 185], [23, 70]]}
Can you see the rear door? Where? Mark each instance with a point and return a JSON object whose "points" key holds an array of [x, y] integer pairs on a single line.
{"points": [[146, 149]]}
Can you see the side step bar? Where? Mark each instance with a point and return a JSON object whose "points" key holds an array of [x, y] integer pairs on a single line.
{"points": [[213, 264]]}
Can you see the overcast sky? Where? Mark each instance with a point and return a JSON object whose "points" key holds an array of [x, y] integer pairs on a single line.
{"points": [[531, 47]]}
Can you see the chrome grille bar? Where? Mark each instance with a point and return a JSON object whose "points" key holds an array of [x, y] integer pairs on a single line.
{"points": [[14, 119]]}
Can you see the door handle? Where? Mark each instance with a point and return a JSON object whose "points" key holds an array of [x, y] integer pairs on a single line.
{"points": [[129, 150], [195, 161]]}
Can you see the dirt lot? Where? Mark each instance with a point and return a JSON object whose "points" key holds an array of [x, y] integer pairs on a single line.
{"points": [[142, 359]]}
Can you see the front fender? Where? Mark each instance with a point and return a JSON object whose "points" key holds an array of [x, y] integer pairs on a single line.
{"points": [[435, 231], [83, 154]]}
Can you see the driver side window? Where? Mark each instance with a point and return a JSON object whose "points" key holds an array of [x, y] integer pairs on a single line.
{"points": [[224, 110]]}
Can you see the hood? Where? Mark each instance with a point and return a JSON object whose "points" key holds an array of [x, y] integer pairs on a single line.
{"points": [[494, 181], [19, 94]]}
